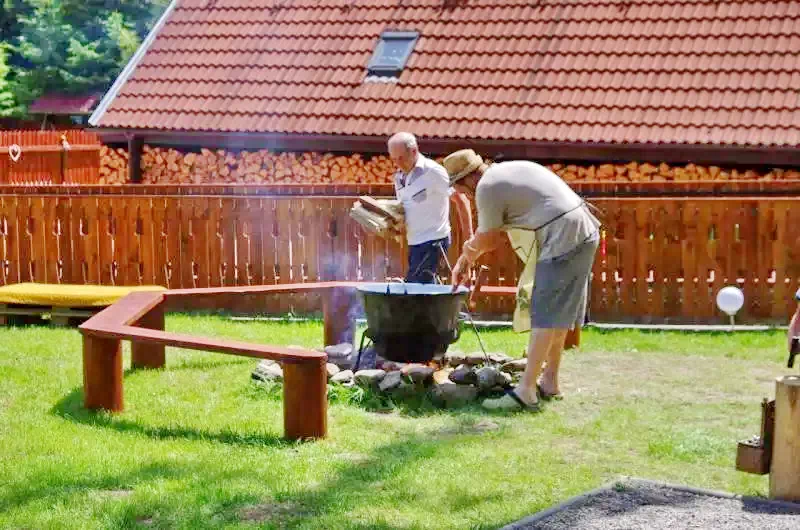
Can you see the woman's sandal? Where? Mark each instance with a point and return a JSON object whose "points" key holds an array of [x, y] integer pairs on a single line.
{"points": [[548, 397], [510, 401]]}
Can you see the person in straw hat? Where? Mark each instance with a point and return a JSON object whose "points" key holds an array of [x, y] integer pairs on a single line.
{"points": [[423, 187], [525, 196]]}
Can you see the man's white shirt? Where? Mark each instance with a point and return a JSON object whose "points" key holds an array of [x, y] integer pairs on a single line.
{"points": [[425, 194]]}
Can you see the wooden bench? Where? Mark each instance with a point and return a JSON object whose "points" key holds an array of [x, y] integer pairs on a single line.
{"points": [[139, 318], [30, 303]]}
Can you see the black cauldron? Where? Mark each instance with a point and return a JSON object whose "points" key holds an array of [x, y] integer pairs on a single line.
{"points": [[411, 322]]}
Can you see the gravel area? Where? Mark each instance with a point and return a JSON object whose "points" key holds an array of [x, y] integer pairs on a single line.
{"points": [[652, 506]]}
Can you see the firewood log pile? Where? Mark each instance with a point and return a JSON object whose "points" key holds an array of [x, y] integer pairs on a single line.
{"points": [[113, 165], [169, 166]]}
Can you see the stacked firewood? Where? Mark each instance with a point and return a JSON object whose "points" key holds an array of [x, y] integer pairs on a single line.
{"points": [[113, 165], [636, 172], [169, 166]]}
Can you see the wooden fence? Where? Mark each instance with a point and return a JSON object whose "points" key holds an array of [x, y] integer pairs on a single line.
{"points": [[43, 158], [661, 259]]}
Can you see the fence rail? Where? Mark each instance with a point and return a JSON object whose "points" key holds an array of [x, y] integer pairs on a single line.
{"points": [[661, 259]]}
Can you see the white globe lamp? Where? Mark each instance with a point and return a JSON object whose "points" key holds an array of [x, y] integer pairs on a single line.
{"points": [[730, 300]]}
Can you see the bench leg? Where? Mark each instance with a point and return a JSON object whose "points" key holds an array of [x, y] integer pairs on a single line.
{"points": [[305, 400], [144, 355], [102, 373], [337, 309], [3, 318]]}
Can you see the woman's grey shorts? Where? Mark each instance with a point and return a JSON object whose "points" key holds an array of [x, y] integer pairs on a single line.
{"points": [[560, 288]]}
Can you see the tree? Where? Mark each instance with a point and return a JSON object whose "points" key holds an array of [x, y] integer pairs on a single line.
{"points": [[75, 46], [8, 105]]}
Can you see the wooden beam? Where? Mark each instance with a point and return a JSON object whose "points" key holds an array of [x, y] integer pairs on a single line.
{"points": [[135, 144], [497, 149]]}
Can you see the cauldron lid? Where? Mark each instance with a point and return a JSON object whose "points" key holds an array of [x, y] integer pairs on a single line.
{"points": [[410, 288]]}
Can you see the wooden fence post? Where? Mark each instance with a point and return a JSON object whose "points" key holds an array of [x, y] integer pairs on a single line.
{"points": [[784, 476], [146, 355], [102, 373], [305, 400]]}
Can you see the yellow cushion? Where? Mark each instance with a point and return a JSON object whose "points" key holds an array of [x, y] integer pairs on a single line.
{"points": [[61, 295]]}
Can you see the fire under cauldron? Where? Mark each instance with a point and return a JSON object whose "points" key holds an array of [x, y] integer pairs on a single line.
{"points": [[410, 322]]}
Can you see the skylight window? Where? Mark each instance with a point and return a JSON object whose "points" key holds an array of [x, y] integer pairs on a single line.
{"points": [[392, 52]]}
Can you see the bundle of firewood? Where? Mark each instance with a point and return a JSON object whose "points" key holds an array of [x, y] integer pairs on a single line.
{"points": [[382, 217], [113, 165]]}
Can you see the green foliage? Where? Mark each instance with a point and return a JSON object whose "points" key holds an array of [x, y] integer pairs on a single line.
{"points": [[71, 46], [7, 102]]}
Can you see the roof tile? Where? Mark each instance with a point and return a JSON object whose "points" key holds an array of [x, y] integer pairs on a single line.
{"points": [[610, 71]]}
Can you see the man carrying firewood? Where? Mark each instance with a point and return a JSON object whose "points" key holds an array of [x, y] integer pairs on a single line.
{"points": [[525, 196], [423, 188]]}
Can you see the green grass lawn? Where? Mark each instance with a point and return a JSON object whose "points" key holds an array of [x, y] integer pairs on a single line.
{"points": [[199, 446]]}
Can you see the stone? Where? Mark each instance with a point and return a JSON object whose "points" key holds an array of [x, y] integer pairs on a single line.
{"points": [[391, 381], [419, 373], [369, 378], [404, 390], [454, 358], [489, 377], [463, 376], [339, 351], [517, 365], [453, 396], [332, 369], [474, 359], [268, 371], [390, 366], [442, 377], [345, 377], [500, 358]]}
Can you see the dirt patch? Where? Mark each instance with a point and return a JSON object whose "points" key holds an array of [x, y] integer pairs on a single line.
{"points": [[145, 521], [117, 493], [479, 427], [276, 512], [643, 505], [353, 458]]}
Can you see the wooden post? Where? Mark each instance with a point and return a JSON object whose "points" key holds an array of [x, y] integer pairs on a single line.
{"points": [[144, 355], [305, 400], [102, 373], [338, 311], [573, 339], [135, 159], [784, 478]]}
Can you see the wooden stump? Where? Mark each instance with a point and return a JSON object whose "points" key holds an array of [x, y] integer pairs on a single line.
{"points": [[784, 478], [305, 400], [145, 355], [102, 373]]}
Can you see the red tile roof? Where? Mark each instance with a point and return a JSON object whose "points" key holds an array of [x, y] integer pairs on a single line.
{"points": [[64, 104], [605, 71]]}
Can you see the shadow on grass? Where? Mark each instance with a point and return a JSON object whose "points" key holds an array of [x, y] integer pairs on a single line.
{"points": [[71, 408], [55, 486]]}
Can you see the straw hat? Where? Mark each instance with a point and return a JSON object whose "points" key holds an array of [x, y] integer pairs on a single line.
{"points": [[462, 163]]}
